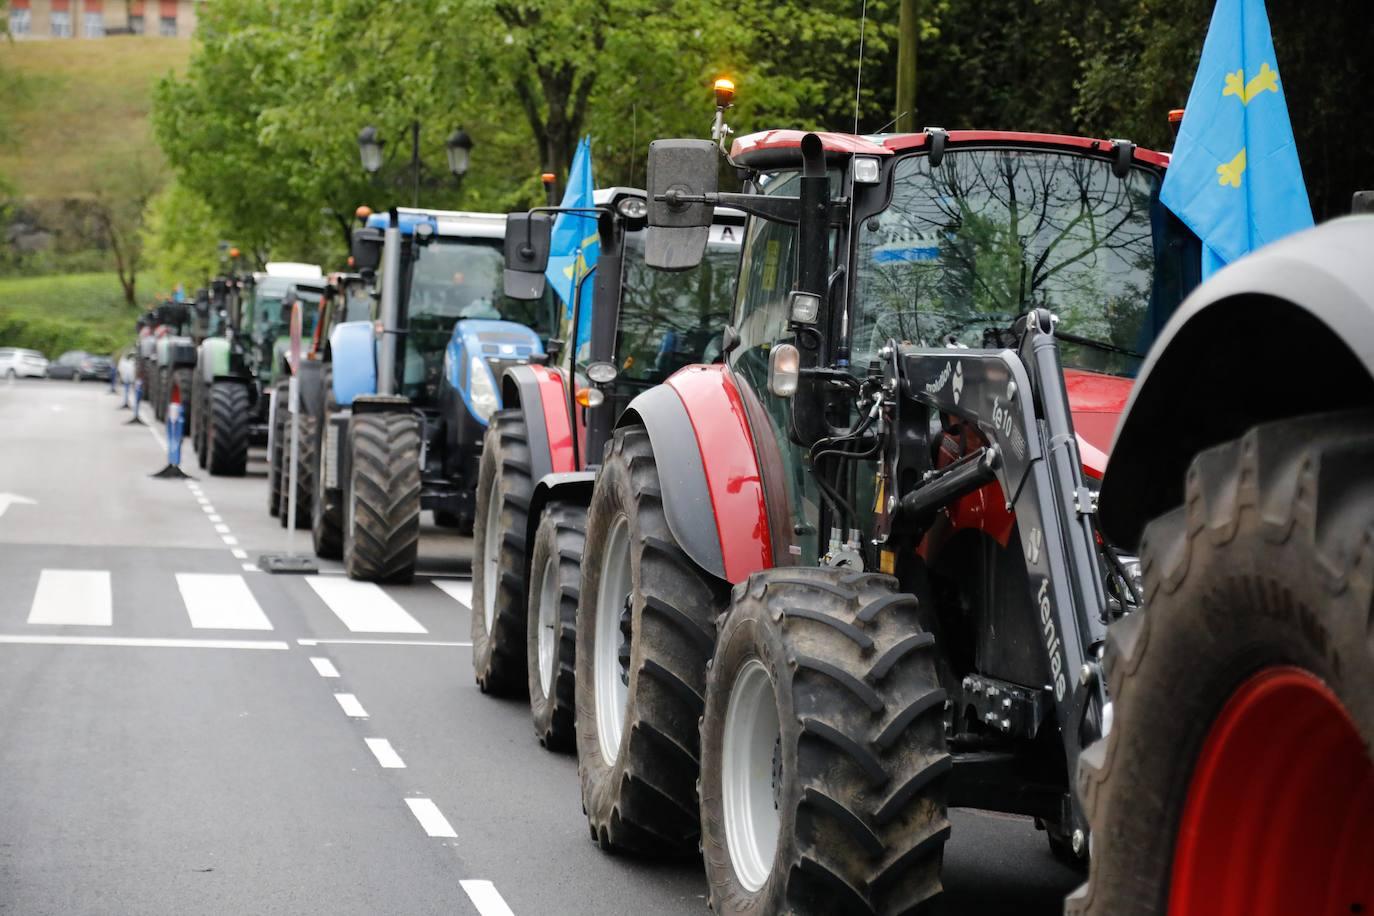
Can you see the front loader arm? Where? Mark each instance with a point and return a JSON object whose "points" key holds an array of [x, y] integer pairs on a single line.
{"points": [[1017, 400]]}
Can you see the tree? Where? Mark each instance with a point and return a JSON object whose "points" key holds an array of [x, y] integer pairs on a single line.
{"points": [[117, 206], [180, 238]]}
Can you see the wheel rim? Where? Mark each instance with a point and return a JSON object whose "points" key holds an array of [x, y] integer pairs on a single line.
{"points": [[491, 558], [1279, 815], [750, 763], [613, 592], [549, 599]]}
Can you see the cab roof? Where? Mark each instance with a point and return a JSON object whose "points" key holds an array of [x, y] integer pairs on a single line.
{"points": [[777, 148], [456, 223]]}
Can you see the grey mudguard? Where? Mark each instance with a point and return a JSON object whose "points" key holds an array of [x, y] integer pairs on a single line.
{"points": [[681, 474], [521, 382], [1288, 330]]}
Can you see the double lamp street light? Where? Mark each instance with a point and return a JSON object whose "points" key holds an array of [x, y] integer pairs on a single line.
{"points": [[458, 147]]}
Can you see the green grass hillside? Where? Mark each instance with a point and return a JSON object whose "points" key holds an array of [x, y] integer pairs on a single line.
{"points": [[77, 104], [72, 312]]}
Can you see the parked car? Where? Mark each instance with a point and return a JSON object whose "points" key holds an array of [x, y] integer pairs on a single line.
{"points": [[19, 363], [80, 366]]}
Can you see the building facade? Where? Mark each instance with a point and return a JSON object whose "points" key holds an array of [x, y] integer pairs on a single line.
{"points": [[58, 19]]}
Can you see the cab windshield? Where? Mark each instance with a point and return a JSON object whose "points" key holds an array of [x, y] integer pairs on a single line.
{"points": [[964, 250], [673, 319]]}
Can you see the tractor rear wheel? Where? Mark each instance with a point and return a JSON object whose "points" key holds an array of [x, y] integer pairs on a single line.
{"points": [[499, 550], [303, 482], [326, 509], [1253, 665], [159, 396], [555, 577], [645, 631], [226, 438], [276, 452], [382, 499], [823, 749]]}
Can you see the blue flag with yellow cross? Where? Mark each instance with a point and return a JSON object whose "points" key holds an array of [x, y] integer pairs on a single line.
{"points": [[1234, 178], [575, 244]]}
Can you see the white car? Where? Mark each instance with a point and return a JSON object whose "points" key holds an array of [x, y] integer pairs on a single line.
{"points": [[17, 363]]}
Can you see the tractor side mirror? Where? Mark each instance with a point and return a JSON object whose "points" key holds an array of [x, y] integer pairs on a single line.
{"points": [[681, 172], [529, 237], [366, 248]]}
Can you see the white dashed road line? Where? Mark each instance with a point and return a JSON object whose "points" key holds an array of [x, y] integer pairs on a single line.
{"points": [[386, 755], [324, 667], [142, 643], [350, 705], [239, 553], [486, 898], [363, 606], [79, 597], [431, 818], [220, 602]]}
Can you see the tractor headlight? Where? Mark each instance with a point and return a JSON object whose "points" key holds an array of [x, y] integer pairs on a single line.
{"points": [[481, 390]]}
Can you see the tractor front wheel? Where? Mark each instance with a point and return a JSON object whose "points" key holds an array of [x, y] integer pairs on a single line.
{"points": [[1238, 765], [823, 749], [382, 499], [645, 632], [504, 489], [276, 451], [226, 437]]}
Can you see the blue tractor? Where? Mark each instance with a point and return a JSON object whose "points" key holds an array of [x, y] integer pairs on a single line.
{"points": [[411, 394]]}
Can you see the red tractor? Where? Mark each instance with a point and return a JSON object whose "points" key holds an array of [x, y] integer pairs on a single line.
{"points": [[638, 327], [873, 565]]}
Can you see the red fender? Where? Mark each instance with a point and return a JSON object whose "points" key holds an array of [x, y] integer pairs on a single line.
{"points": [[726, 443]]}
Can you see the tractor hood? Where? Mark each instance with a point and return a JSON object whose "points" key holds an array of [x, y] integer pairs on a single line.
{"points": [[1096, 402]]}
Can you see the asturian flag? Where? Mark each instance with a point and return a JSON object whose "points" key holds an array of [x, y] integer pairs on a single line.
{"points": [[1234, 178]]}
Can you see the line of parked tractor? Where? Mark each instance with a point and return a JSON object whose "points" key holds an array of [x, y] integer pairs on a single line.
{"points": [[796, 523]]}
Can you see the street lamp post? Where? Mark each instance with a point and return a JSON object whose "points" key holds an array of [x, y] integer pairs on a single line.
{"points": [[458, 148]]}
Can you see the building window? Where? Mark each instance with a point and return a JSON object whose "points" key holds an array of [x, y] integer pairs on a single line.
{"points": [[61, 23], [93, 25], [167, 27], [136, 24], [20, 22]]}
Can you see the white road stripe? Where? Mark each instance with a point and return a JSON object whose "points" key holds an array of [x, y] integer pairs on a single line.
{"points": [[207, 508], [229, 539], [363, 606], [381, 642], [220, 528], [141, 643], [386, 754], [324, 667], [251, 567], [220, 602], [239, 553], [430, 817], [216, 519], [203, 500], [459, 590], [486, 898], [351, 706], [78, 597]]}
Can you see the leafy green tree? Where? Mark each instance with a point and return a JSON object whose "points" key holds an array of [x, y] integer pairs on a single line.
{"points": [[180, 238]]}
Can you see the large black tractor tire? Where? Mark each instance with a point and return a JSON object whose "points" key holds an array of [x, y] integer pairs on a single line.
{"points": [[326, 508], [382, 523], [823, 688], [161, 389], [226, 438], [276, 453], [1238, 766], [181, 384], [199, 409], [638, 767], [500, 556], [555, 580], [303, 482]]}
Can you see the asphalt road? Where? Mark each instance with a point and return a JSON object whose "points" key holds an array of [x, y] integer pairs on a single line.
{"points": [[182, 734]]}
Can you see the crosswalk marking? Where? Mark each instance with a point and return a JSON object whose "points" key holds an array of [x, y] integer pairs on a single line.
{"points": [[363, 606], [79, 597], [459, 590], [220, 602]]}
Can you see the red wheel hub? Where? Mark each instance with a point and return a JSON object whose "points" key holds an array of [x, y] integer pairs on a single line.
{"points": [[1279, 819]]}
